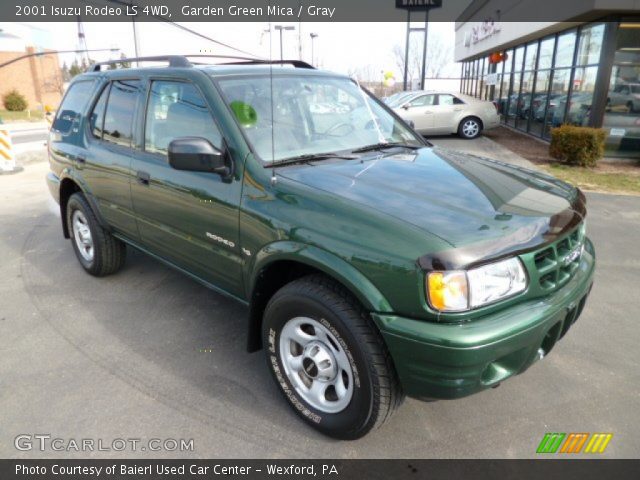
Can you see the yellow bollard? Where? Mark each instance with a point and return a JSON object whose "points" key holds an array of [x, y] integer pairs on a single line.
{"points": [[7, 157]]}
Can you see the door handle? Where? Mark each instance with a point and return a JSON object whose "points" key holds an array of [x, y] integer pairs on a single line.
{"points": [[81, 160], [143, 178]]}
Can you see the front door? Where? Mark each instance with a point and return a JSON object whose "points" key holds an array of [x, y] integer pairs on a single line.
{"points": [[189, 218], [420, 111]]}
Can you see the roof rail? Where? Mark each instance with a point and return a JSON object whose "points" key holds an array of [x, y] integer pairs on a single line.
{"points": [[174, 61], [294, 63], [183, 61]]}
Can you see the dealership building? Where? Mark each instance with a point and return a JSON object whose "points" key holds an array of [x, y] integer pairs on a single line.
{"points": [[583, 70]]}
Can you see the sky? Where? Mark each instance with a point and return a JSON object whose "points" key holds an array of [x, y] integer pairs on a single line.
{"points": [[340, 47]]}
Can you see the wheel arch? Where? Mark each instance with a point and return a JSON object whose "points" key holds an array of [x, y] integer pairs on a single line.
{"points": [[282, 262], [69, 186]]}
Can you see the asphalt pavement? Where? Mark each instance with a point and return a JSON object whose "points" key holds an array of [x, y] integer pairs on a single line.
{"points": [[149, 353]]}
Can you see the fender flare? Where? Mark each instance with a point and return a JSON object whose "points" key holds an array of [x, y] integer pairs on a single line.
{"points": [[330, 264]]}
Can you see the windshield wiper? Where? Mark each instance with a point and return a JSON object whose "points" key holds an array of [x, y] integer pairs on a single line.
{"points": [[312, 157], [382, 146]]}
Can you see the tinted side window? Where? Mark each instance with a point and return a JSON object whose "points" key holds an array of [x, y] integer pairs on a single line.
{"points": [[96, 119], [72, 106], [118, 119], [177, 109]]}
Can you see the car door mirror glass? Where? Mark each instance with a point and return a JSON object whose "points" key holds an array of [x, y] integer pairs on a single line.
{"points": [[196, 154]]}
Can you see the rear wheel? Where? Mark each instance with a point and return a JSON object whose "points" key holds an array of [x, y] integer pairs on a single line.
{"points": [[469, 128], [99, 252], [328, 359]]}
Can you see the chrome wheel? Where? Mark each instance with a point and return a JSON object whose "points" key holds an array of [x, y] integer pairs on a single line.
{"points": [[82, 235], [470, 128], [316, 364]]}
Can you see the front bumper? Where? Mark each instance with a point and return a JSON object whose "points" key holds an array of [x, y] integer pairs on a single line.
{"points": [[443, 361]]}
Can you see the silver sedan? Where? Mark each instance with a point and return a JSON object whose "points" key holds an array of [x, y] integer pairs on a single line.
{"points": [[441, 113]]}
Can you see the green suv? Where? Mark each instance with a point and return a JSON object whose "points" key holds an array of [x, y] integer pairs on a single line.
{"points": [[373, 265]]}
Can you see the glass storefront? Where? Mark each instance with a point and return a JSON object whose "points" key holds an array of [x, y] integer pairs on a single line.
{"points": [[622, 114], [554, 80]]}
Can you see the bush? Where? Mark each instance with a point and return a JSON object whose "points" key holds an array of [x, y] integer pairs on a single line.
{"points": [[577, 145], [14, 101]]}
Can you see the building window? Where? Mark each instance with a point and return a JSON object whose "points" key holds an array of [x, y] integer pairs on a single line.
{"points": [[622, 114]]}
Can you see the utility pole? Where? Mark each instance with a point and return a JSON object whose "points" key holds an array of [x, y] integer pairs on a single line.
{"points": [[280, 28], [136, 42], [313, 37]]}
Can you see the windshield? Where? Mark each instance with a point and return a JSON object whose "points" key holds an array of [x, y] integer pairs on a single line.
{"points": [[310, 115]]}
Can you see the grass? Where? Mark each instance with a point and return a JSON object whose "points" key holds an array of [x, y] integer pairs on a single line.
{"points": [[593, 179], [611, 177], [24, 116]]}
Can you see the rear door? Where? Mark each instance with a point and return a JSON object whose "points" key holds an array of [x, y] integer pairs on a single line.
{"points": [[420, 111], [107, 163], [189, 218], [447, 113]]}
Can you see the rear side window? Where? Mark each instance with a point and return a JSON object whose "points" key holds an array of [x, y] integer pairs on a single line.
{"points": [[96, 119], [177, 109], [446, 99], [74, 103], [118, 118]]}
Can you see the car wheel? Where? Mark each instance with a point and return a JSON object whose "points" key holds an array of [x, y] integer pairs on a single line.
{"points": [[328, 358], [469, 128], [99, 252]]}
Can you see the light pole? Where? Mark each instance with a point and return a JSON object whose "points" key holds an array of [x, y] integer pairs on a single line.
{"points": [[280, 28], [313, 37]]}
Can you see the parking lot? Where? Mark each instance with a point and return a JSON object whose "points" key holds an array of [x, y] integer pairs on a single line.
{"points": [[149, 353]]}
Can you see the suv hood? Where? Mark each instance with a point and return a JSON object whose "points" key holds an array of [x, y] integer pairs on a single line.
{"points": [[463, 199]]}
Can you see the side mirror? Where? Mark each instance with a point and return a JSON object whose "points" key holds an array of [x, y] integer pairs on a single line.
{"points": [[411, 123], [406, 106], [196, 154]]}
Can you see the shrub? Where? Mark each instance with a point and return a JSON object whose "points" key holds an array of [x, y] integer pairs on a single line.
{"points": [[14, 101], [577, 145]]}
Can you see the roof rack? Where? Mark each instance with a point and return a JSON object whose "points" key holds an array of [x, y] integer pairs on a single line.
{"points": [[294, 63], [183, 61], [173, 60]]}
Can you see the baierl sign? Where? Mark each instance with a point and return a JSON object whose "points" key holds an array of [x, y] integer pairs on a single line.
{"points": [[481, 31]]}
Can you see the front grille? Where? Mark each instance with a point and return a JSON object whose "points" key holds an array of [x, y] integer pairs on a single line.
{"points": [[555, 264]]}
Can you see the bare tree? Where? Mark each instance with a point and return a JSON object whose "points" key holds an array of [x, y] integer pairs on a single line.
{"points": [[439, 54]]}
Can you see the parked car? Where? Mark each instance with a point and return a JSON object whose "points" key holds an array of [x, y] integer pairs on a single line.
{"points": [[439, 113], [373, 265], [401, 98], [624, 97]]}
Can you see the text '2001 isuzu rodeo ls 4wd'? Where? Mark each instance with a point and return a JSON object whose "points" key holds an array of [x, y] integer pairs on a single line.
{"points": [[374, 266]]}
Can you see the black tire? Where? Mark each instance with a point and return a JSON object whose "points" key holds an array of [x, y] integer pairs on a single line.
{"points": [[376, 392], [465, 129], [109, 253]]}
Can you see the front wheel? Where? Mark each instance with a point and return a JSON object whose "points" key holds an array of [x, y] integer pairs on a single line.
{"points": [[328, 359], [469, 128]]}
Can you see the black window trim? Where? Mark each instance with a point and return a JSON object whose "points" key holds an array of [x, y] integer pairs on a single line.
{"points": [[93, 104]]}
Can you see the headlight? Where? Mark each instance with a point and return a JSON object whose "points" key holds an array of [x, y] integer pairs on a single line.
{"points": [[458, 290]]}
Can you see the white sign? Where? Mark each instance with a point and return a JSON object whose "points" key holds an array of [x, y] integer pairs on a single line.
{"points": [[492, 79], [617, 132]]}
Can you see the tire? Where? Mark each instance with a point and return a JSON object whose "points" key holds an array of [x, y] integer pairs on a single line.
{"points": [[470, 128], [336, 329], [99, 252]]}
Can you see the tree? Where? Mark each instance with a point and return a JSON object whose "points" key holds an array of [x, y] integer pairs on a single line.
{"points": [[439, 55], [75, 69]]}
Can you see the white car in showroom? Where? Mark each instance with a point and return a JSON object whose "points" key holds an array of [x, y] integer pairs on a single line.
{"points": [[441, 113]]}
